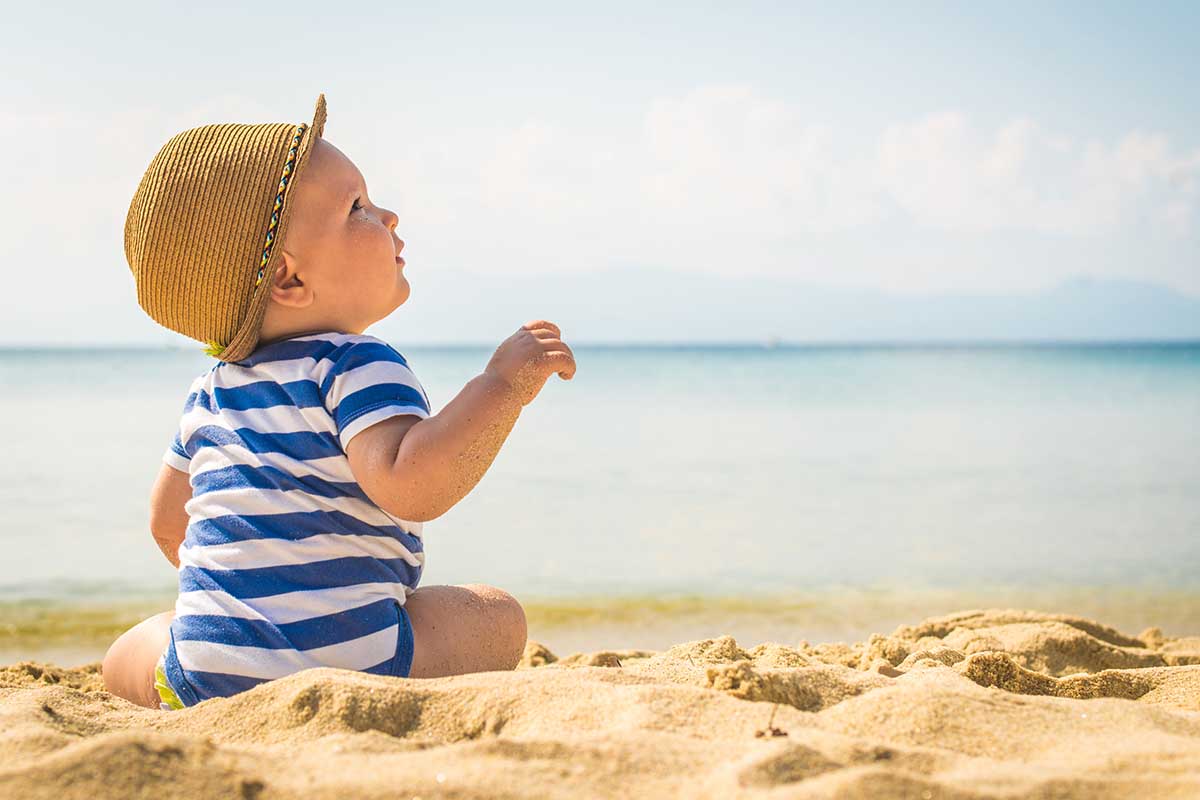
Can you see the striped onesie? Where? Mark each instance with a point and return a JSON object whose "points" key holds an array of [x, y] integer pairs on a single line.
{"points": [[286, 563]]}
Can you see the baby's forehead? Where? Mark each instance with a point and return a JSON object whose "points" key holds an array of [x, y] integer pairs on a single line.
{"points": [[331, 173]]}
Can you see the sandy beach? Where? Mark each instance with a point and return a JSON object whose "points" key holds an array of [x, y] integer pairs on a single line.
{"points": [[993, 703]]}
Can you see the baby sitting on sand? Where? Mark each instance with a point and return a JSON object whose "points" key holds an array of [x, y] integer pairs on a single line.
{"points": [[307, 459]]}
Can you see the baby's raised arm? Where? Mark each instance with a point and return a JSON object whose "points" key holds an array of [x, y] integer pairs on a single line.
{"points": [[417, 469]]}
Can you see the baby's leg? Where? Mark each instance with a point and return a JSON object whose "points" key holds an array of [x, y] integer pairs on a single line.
{"points": [[456, 629], [460, 629], [129, 665]]}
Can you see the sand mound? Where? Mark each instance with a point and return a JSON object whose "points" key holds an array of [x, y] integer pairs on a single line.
{"points": [[23, 674], [1055, 644], [997, 704]]}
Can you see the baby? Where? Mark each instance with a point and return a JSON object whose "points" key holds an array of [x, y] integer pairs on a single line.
{"points": [[293, 494]]}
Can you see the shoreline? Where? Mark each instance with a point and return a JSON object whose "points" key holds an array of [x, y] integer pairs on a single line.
{"points": [[75, 630]]}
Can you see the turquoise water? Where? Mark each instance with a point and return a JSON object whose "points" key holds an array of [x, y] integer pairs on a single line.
{"points": [[714, 470]]}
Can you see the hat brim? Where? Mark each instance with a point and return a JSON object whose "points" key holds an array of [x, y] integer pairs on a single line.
{"points": [[246, 339]]}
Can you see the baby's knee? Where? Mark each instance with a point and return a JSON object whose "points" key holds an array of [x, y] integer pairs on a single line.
{"points": [[128, 666], [108, 667], [118, 662], [517, 624], [509, 617]]}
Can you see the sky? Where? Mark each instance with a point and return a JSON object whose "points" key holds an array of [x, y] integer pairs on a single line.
{"points": [[982, 148]]}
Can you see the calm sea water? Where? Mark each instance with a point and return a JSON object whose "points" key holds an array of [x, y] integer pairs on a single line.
{"points": [[718, 471]]}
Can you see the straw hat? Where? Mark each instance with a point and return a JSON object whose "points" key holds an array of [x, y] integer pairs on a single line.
{"points": [[204, 228]]}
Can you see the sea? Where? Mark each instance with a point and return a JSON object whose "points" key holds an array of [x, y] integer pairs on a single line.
{"points": [[771, 492]]}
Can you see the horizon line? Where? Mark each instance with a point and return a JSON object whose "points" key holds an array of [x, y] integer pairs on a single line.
{"points": [[765, 343]]}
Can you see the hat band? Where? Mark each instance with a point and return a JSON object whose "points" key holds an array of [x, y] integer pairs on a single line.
{"points": [[214, 348]]}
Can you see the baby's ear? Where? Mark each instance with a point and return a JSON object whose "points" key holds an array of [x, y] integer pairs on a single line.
{"points": [[287, 288]]}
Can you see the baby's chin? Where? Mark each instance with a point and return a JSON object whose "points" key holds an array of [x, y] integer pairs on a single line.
{"points": [[403, 292]]}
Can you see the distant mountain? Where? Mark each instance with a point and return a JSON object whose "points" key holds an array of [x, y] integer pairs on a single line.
{"points": [[655, 305]]}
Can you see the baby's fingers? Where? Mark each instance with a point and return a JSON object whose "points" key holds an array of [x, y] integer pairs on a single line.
{"points": [[541, 323], [552, 345], [560, 361], [555, 344]]}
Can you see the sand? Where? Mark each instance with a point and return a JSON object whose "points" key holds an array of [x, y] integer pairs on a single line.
{"points": [[995, 703]]}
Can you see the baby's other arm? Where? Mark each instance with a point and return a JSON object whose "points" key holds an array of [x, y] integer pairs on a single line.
{"points": [[168, 519], [418, 469]]}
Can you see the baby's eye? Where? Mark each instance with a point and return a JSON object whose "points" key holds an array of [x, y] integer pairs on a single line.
{"points": [[356, 206]]}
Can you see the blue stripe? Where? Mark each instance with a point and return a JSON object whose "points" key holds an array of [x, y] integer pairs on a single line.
{"points": [[288, 349], [268, 394], [259, 394], [291, 526], [183, 690], [301, 445], [200, 398], [177, 446], [356, 404], [218, 684], [305, 634], [384, 667], [244, 476], [361, 354], [268, 581], [400, 664]]}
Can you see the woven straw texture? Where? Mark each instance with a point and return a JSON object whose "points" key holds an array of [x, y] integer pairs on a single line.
{"points": [[199, 223]]}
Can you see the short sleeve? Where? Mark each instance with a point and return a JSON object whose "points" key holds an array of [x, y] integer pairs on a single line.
{"points": [[176, 456], [368, 383]]}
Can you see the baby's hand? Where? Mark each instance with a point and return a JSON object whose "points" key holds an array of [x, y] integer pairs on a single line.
{"points": [[526, 359]]}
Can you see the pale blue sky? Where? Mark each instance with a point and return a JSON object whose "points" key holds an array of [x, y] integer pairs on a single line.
{"points": [[940, 148]]}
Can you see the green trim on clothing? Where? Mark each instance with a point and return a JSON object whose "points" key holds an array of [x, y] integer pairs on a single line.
{"points": [[164, 689]]}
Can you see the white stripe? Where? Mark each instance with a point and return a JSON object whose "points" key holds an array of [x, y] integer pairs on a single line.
{"points": [[173, 459], [281, 609], [339, 338], [360, 424], [219, 604], [374, 372], [262, 662], [252, 501], [255, 553], [406, 525], [233, 376], [332, 468], [370, 374]]}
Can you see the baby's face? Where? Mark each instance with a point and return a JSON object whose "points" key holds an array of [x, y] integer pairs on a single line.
{"points": [[341, 247]]}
